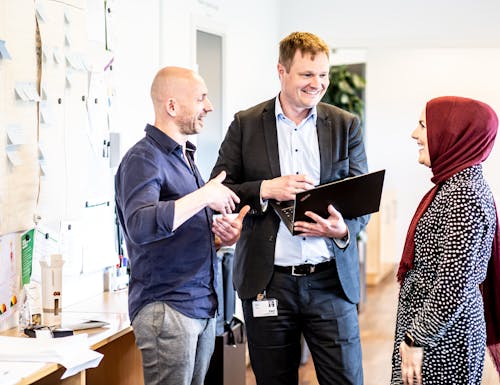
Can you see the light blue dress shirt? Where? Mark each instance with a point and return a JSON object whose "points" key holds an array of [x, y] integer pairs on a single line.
{"points": [[299, 154]]}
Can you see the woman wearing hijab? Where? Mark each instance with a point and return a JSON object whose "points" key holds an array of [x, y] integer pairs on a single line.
{"points": [[450, 249]]}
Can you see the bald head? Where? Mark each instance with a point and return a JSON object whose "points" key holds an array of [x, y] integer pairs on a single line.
{"points": [[170, 82], [180, 101]]}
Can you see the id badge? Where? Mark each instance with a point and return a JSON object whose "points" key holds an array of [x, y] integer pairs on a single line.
{"points": [[265, 307]]}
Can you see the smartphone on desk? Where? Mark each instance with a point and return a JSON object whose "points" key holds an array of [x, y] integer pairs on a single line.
{"points": [[89, 324]]}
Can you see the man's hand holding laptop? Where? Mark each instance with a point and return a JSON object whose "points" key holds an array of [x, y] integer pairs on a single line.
{"points": [[331, 227], [285, 187]]}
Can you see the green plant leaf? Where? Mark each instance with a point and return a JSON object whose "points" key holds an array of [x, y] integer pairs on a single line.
{"points": [[345, 90]]}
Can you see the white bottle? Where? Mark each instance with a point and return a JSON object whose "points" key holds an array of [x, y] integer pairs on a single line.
{"points": [[51, 290]]}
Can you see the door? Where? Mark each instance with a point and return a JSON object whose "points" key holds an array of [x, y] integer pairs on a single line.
{"points": [[209, 60]]}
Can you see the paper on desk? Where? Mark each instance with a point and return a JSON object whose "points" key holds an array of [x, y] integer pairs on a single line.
{"points": [[72, 352], [12, 373]]}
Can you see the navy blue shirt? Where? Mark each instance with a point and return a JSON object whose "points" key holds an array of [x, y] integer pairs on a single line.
{"points": [[176, 267]]}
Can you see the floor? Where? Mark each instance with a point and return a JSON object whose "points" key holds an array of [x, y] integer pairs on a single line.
{"points": [[377, 320]]}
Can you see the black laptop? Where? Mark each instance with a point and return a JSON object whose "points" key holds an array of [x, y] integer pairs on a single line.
{"points": [[352, 197]]}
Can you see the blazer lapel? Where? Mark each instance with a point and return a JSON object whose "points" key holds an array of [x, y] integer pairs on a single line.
{"points": [[271, 138], [323, 127]]}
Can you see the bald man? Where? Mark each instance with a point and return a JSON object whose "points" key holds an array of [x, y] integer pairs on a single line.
{"points": [[165, 210]]}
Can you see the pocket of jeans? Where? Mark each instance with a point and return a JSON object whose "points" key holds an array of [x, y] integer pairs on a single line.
{"points": [[158, 317]]}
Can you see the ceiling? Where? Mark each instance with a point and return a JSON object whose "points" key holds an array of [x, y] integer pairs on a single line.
{"points": [[393, 23]]}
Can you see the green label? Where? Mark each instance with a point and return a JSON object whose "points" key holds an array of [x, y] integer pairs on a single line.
{"points": [[27, 241]]}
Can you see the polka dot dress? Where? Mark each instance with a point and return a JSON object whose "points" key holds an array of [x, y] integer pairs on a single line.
{"points": [[440, 303]]}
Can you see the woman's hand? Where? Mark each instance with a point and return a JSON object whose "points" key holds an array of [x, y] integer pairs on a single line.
{"points": [[411, 363]]}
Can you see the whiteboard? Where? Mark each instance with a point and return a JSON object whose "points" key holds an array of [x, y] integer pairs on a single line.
{"points": [[58, 179]]}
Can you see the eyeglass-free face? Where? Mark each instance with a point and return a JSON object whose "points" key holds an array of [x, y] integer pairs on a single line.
{"points": [[420, 135]]}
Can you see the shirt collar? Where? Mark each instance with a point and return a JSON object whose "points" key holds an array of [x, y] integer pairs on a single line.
{"points": [[166, 141], [278, 111]]}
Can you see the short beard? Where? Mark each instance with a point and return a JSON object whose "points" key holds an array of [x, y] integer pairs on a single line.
{"points": [[188, 127]]}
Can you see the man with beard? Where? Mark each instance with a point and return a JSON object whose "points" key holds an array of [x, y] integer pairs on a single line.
{"points": [[165, 210]]}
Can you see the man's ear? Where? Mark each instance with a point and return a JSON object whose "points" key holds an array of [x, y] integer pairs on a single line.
{"points": [[171, 107], [281, 70]]}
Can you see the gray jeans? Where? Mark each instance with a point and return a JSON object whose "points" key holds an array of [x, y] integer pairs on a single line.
{"points": [[176, 349]]}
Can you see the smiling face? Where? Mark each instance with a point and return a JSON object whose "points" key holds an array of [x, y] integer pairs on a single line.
{"points": [[420, 135], [180, 99], [194, 106], [303, 86]]}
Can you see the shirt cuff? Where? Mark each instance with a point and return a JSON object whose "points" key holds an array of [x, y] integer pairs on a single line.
{"points": [[342, 243], [263, 203]]}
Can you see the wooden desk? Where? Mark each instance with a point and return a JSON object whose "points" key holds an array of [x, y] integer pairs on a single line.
{"points": [[121, 364]]}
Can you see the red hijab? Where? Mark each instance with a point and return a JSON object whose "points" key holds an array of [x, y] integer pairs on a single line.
{"points": [[460, 134]]}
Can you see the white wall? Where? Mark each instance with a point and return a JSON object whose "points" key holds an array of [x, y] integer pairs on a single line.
{"points": [[396, 23], [166, 30], [137, 58]]}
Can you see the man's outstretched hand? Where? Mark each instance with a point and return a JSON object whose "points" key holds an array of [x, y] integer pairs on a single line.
{"points": [[227, 229]]}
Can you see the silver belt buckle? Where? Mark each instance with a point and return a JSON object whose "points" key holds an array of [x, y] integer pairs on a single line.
{"points": [[311, 270]]}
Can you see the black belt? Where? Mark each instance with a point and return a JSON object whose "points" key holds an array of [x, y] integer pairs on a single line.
{"points": [[303, 270]]}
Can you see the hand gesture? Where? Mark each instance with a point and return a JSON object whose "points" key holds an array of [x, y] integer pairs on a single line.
{"points": [[285, 187], [219, 197], [331, 227], [227, 229]]}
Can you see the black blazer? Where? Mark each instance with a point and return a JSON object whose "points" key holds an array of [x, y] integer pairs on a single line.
{"points": [[249, 155]]}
